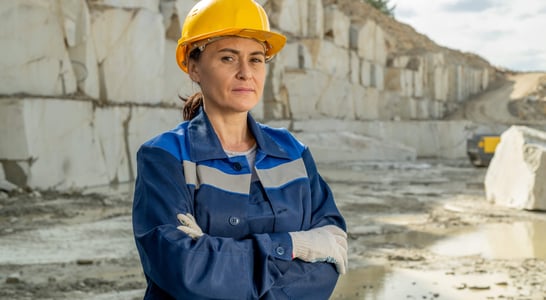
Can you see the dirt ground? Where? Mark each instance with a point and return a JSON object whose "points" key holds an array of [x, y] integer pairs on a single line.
{"points": [[518, 98], [417, 230]]}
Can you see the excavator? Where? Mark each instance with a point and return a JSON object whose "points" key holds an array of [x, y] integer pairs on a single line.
{"points": [[480, 148]]}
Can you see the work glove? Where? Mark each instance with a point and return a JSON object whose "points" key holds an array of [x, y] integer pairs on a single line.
{"points": [[189, 226], [322, 244]]}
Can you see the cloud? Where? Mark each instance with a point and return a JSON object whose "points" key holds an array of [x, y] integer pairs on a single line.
{"points": [[532, 60], [538, 13], [507, 33], [492, 35], [469, 6]]}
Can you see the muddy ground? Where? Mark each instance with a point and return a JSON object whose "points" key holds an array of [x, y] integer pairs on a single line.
{"points": [[417, 230]]}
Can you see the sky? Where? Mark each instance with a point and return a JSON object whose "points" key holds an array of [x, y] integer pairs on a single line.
{"points": [[507, 33]]}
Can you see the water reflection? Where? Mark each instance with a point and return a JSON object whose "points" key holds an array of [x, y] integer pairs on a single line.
{"points": [[380, 283], [518, 240]]}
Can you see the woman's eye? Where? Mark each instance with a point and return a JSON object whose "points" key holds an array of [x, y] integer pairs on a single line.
{"points": [[256, 60], [228, 59]]}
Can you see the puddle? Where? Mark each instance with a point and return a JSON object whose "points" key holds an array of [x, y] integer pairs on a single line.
{"points": [[380, 283], [519, 240]]}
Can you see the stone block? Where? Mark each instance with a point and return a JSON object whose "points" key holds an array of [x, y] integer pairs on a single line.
{"points": [[381, 53], [34, 59], [393, 82], [130, 50], [401, 62], [517, 173], [354, 67], [407, 82], [365, 102], [369, 40], [172, 20], [354, 31], [304, 90], [182, 8], [296, 56], [390, 106], [315, 19], [12, 115], [57, 143], [336, 100], [322, 52], [328, 145], [379, 76], [111, 126], [336, 26], [408, 108], [146, 123], [81, 46], [423, 110], [291, 17], [460, 87], [366, 73], [441, 83], [274, 104], [419, 83], [439, 139], [176, 83], [485, 79], [5, 184], [152, 5], [366, 40], [437, 110]]}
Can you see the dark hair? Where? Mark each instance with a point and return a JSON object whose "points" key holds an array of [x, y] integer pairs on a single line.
{"points": [[195, 101], [192, 105]]}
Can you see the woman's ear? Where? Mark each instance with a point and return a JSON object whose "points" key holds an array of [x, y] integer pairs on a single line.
{"points": [[193, 71]]}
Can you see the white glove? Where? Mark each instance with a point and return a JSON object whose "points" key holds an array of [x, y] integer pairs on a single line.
{"points": [[189, 226], [322, 244]]}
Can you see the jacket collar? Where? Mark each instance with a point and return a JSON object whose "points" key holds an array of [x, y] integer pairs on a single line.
{"points": [[205, 145]]}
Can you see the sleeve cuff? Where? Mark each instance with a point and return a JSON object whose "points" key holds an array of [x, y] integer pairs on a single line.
{"points": [[281, 246]]}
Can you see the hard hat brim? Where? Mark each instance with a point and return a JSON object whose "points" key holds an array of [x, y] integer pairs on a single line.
{"points": [[274, 42]]}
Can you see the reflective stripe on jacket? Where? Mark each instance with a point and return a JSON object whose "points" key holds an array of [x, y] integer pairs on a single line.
{"points": [[246, 250]]}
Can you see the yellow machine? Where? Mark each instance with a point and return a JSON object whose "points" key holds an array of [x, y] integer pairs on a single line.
{"points": [[480, 148]]}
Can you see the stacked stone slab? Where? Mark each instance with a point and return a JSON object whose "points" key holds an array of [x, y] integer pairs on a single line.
{"points": [[345, 69], [516, 176], [83, 83]]}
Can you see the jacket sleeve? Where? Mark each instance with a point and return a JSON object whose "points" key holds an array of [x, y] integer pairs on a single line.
{"points": [[323, 207], [303, 280], [210, 267]]}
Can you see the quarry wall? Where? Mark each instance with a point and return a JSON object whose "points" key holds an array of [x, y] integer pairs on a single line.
{"points": [[84, 83]]}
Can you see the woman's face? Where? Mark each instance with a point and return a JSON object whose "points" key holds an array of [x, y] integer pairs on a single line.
{"points": [[231, 73]]}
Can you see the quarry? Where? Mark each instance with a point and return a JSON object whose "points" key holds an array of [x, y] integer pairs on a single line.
{"points": [[385, 111]]}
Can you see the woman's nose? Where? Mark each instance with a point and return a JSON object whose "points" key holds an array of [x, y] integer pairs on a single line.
{"points": [[244, 72]]}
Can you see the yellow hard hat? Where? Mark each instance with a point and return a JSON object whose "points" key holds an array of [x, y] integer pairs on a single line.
{"points": [[216, 18]]}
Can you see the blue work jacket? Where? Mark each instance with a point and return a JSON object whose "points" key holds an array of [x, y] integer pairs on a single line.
{"points": [[246, 251]]}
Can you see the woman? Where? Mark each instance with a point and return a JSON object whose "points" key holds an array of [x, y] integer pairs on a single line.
{"points": [[225, 207]]}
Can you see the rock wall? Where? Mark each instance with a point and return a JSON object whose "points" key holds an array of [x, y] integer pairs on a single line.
{"points": [[84, 83]]}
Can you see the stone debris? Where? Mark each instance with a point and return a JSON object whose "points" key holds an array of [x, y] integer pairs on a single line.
{"points": [[515, 178]]}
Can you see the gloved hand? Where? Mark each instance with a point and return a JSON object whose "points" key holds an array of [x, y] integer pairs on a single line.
{"points": [[189, 226], [322, 244]]}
